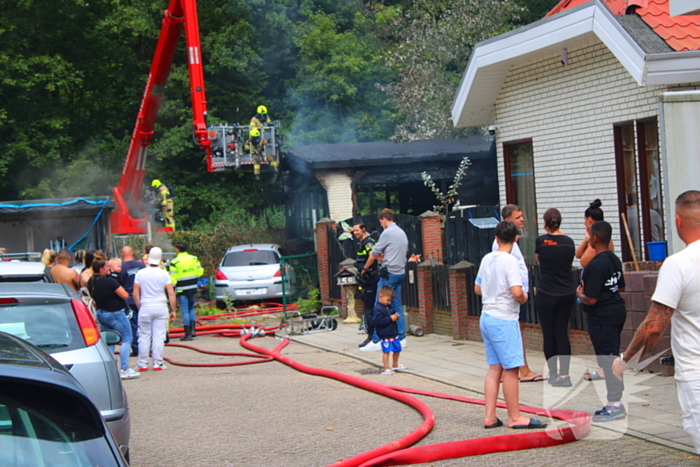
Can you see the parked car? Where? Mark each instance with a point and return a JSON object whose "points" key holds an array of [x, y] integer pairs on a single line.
{"points": [[249, 272], [24, 271], [54, 319], [46, 417]]}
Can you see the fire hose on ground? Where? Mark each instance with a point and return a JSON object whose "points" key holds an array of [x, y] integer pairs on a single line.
{"points": [[398, 452]]}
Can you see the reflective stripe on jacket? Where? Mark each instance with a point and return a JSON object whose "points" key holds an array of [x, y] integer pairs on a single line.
{"points": [[184, 272]]}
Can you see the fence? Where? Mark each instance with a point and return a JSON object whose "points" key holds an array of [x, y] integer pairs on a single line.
{"points": [[441, 287], [466, 241], [340, 250], [577, 321], [299, 277]]}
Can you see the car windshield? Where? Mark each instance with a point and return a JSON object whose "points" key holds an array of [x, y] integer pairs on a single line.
{"points": [[40, 425], [250, 258], [51, 326]]}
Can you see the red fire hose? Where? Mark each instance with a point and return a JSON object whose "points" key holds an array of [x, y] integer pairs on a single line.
{"points": [[399, 452]]}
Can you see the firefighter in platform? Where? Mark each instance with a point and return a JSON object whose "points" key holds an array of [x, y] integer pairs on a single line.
{"points": [[185, 271], [165, 201], [261, 118]]}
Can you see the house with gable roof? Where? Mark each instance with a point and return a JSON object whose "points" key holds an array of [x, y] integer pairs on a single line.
{"points": [[574, 99]]}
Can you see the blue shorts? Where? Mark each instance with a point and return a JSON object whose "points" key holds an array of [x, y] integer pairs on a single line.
{"points": [[502, 342], [393, 345]]}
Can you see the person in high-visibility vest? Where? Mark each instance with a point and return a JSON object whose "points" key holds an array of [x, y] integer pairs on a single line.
{"points": [[185, 270], [165, 200]]}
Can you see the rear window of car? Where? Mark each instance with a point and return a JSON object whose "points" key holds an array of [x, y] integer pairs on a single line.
{"points": [[250, 258], [51, 326], [26, 278], [40, 425]]}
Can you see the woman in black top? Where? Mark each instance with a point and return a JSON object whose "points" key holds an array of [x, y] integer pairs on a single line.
{"points": [[555, 296], [109, 298]]}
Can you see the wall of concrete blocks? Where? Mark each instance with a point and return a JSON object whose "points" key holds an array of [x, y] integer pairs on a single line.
{"points": [[338, 187], [569, 112]]}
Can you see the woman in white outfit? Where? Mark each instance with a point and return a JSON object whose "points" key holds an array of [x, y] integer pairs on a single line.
{"points": [[152, 290]]}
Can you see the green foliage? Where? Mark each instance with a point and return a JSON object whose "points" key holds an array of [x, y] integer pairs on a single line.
{"points": [[211, 241], [72, 74], [446, 200], [311, 304]]}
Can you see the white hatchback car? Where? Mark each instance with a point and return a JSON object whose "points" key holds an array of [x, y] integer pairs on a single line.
{"points": [[249, 272]]}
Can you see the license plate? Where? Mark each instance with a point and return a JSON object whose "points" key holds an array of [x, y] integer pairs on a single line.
{"points": [[259, 291]]}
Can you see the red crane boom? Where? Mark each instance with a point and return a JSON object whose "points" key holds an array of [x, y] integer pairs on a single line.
{"points": [[129, 215]]}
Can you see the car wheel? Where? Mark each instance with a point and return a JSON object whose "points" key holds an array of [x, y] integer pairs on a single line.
{"points": [[220, 305]]}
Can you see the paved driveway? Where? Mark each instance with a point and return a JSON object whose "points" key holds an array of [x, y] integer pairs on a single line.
{"points": [[270, 415]]}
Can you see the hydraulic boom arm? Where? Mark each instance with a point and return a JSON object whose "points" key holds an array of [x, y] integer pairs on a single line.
{"points": [[129, 215]]}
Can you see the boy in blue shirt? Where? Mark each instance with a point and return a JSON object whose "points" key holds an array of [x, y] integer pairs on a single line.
{"points": [[385, 326]]}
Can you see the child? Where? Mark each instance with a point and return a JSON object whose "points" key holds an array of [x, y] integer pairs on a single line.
{"points": [[600, 288], [385, 327], [499, 283]]}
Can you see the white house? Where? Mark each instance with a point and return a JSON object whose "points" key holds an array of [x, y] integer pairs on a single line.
{"points": [[574, 98]]}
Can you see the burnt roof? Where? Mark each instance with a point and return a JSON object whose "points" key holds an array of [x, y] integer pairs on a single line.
{"points": [[353, 155]]}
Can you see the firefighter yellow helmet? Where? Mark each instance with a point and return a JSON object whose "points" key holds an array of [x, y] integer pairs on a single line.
{"points": [[262, 109], [156, 183], [254, 132]]}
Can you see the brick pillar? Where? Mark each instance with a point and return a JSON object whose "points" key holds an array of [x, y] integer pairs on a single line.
{"points": [[346, 263], [322, 256], [431, 229], [458, 299], [425, 296]]}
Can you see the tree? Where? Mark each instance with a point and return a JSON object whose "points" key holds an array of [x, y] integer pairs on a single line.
{"points": [[439, 37]]}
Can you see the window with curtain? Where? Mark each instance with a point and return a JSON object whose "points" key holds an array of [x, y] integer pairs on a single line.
{"points": [[639, 185], [520, 189]]}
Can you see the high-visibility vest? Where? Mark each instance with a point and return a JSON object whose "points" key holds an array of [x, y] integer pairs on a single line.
{"points": [[184, 272]]}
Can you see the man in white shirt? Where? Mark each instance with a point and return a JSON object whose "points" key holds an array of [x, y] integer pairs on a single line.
{"points": [[677, 299], [513, 213]]}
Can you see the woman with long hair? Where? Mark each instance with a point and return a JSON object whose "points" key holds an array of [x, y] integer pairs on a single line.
{"points": [[555, 297], [109, 298]]}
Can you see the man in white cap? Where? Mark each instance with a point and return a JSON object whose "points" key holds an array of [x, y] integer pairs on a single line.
{"points": [[150, 287]]}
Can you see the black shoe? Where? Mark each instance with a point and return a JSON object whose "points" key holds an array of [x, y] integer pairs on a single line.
{"points": [[562, 382], [367, 341], [188, 334], [194, 331]]}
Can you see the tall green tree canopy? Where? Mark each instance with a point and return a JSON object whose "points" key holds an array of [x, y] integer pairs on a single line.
{"points": [[72, 73]]}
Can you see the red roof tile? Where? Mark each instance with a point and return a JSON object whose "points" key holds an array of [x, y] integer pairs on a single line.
{"points": [[679, 32]]}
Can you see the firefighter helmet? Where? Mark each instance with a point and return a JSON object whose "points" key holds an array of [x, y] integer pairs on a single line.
{"points": [[156, 183], [254, 132], [262, 109]]}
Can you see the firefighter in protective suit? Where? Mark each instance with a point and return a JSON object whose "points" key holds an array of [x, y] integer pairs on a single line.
{"points": [[261, 118], [165, 201]]}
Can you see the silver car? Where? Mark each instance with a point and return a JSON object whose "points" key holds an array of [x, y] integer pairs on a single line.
{"points": [[24, 271], [249, 272], [53, 318]]}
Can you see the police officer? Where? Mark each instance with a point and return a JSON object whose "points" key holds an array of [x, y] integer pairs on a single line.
{"points": [[185, 270], [165, 200], [370, 278]]}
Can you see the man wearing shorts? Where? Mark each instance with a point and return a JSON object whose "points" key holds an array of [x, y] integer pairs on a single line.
{"points": [[677, 300], [500, 285], [513, 213]]}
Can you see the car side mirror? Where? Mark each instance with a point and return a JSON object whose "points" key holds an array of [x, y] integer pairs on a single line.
{"points": [[111, 337]]}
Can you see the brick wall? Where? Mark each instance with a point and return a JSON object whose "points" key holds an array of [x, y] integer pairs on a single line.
{"points": [[338, 187], [431, 231], [442, 322], [322, 256], [425, 297], [638, 292], [569, 112]]}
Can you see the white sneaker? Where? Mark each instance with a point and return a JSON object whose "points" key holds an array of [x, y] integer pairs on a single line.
{"points": [[159, 367], [399, 368], [404, 343], [372, 347], [128, 374]]}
